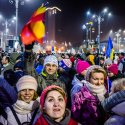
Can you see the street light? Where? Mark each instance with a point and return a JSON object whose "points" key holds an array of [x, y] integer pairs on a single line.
{"points": [[88, 27], [118, 38], [100, 18], [6, 23], [119, 35], [85, 27], [17, 5]]}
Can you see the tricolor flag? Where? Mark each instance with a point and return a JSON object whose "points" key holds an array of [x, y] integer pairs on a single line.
{"points": [[34, 30], [109, 50]]}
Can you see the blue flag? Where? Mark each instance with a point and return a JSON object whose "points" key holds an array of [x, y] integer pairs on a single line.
{"points": [[52, 48], [109, 85], [109, 50]]}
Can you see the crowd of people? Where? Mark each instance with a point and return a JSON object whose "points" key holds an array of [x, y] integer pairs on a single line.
{"points": [[61, 89]]}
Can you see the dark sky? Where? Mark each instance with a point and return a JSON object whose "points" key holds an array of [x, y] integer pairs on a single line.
{"points": [[72, 17]]}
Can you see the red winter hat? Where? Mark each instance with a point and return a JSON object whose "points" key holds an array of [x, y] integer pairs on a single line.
{"points": [[81, 66], [48, 89], [113, 68]]}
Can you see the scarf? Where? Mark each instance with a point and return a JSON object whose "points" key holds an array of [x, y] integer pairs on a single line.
{"points": [[50, 77], [23, 108], [64, 121], [98, 91], [5, 65]]}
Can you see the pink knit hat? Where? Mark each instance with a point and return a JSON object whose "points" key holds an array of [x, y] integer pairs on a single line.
{"points": [[113, 68], [48, 89], [81, 66]]}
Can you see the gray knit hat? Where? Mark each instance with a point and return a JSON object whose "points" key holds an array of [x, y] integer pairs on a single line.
{"points": [[108, 61], [51, 59]]}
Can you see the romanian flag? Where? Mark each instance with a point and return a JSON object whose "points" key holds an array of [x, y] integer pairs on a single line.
{"points": [[34, 30], [109, 50]]}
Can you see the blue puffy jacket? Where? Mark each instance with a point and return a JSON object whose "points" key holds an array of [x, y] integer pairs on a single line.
{"points": [[8, 94]]}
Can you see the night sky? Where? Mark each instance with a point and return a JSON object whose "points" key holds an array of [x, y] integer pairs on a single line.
{"points": [[73, 16]]}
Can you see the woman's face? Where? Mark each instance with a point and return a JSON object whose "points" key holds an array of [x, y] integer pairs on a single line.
{"points": [[110, 74], [55, 105], [51, 68], [107, 66], [27, 95], [97, 78], [83, 72]]}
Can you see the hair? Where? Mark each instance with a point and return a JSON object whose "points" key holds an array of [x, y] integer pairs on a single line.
{"points": [[98, 70], [34, 97], [101, 58], [9, 75], [118, 85], [122, 54], [57, 89], [7, 58]]}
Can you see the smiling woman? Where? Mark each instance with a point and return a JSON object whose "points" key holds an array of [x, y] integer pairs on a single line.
{"points": [[86, 107], [25, 110]]}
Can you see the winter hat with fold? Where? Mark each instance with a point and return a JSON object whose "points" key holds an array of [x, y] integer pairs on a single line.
{"points": [[51, 59], [26, 82], [81, 66]]}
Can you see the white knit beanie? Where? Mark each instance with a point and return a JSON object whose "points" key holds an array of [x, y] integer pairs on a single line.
{"points": [[51, 59], [26, 82]]}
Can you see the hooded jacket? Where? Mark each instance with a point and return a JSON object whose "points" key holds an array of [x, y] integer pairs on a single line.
{"points": [[114, 105], [45, 80], [77, 83], [8, 94], [118, 117], [86, 107]]}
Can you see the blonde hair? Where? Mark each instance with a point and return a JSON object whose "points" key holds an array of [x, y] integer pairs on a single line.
{"points": [[118, 85], [98, 70]]}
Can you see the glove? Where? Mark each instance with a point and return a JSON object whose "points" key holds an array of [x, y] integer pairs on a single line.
{"points": [[29, 47]]}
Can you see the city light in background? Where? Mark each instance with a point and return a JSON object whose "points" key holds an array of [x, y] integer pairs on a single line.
{"points": [[118, 38], [6, 23], [69, 20], [99, 18]]}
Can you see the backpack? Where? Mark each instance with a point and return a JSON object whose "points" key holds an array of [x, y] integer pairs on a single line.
{"points": [[24, 123]]}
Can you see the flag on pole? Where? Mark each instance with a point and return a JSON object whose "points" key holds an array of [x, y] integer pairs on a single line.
{"points": [[109, 85], [35, 28], [109, 50]]}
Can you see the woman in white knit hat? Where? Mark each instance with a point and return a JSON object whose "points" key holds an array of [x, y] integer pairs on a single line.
{"points": [[26, 109]]}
